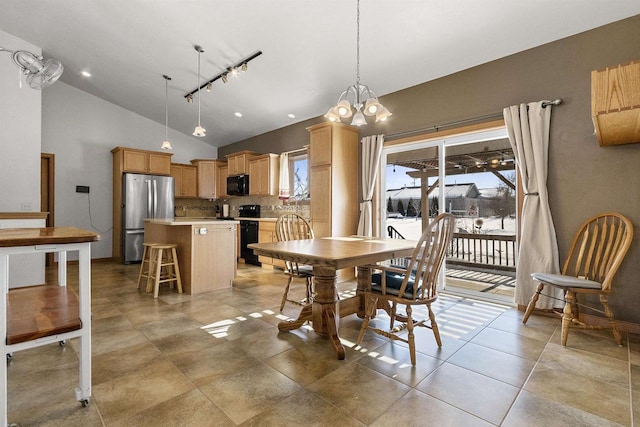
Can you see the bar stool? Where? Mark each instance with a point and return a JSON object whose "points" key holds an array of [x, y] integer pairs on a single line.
{"points": [[163, 267], [144, 266]]}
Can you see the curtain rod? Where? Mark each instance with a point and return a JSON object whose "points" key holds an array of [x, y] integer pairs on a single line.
{"points": [[304, 148], [436, 128]]}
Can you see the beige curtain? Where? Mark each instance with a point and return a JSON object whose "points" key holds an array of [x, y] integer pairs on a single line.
{"points": [[528, 127], [371, 154], [283, 187]]}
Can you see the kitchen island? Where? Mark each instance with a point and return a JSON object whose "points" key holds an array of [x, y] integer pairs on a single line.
{"points": [[206, 250]]}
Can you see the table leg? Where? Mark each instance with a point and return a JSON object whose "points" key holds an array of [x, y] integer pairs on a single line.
{"points": [[4, 289], [325, 306], [62, 268], [83, 392], [290, 325], [364, 275]]}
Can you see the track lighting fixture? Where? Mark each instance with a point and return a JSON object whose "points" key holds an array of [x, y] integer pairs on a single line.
{"points": [[224, 76], [40, 74], [359, 95], [199, 131]]}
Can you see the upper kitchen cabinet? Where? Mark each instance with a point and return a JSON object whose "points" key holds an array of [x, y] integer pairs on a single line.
{"points": [[333, 179], [208, 187], [264, 171], [142, 161], [238, 163], [135, 161], [222, 171], [185, 177]]}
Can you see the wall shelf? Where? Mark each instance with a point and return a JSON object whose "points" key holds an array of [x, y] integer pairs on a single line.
{"points": [[615, 104]]}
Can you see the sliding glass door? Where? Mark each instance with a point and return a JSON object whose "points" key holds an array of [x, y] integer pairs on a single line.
{"points": [[472, 176]]}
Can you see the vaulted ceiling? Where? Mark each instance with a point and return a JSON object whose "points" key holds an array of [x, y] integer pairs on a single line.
{"points": [[308, 49]]}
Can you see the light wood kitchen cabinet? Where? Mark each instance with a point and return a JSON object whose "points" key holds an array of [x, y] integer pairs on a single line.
{"points": [[208, 177], [134, 161], [142, 161], [267, 234], [222, 171], [264, 171], [239, 162], [333, 181], [185, 177], [206, 251]]}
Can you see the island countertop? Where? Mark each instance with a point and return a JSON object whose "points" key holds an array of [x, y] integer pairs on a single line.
{"points": [[189, 221]]}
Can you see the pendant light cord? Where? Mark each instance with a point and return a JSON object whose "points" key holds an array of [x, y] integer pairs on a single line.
{"points": [[199, 52], [358, 43], [166, 107]]}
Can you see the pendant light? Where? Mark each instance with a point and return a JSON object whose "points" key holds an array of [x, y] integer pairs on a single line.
{"points": [[199, 131], [166, 144], [358, 96]]}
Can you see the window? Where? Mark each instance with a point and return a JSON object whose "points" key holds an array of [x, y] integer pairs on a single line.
{"points": [[299, 176]]}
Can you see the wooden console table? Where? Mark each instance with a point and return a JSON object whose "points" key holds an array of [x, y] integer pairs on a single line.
{"points": [[40, 315]]}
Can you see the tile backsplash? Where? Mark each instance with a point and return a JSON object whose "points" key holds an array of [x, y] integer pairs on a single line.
{"points": [[270, 206]]}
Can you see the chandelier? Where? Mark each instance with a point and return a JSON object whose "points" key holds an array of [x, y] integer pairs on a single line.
{"points": [[358, 96]]}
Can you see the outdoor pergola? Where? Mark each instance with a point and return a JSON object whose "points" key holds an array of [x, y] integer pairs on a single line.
{"points": [[494, 156]]}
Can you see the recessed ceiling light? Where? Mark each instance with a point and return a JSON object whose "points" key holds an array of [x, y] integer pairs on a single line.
{"points": [[238, 114], [86, 73], [291, 116]]}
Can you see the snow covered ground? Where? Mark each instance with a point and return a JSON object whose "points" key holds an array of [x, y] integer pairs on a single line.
{"points": [[411, 228]]}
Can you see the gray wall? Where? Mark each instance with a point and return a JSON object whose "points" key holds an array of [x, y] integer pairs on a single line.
{"points": [[584, 178], [81, 129], [20, 122]]}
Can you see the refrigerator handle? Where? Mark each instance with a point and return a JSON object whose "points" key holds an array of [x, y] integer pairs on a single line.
{"points": [[155, 197], [149, 195]]}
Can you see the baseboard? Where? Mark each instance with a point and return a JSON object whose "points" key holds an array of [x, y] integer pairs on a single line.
{"points": [[630, 327], [93, 260]]}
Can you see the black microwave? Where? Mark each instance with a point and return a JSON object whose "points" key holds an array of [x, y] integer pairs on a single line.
{"points": [[238, 185]]}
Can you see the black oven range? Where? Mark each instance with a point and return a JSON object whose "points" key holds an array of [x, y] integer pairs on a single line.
{"points": [[248, 232]]}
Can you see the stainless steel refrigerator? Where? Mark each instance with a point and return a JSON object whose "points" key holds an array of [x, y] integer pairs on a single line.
{"points": [[144, 196]]}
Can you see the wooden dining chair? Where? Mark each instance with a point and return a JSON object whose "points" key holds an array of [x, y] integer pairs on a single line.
{"points": [[291, 226], [414, 285], [595, 255]]}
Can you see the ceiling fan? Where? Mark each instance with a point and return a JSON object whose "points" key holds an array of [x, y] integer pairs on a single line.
{"points": [[40, 74]]}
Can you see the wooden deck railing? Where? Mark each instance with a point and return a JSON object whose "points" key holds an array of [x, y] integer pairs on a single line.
{"points": [[495, 251]]}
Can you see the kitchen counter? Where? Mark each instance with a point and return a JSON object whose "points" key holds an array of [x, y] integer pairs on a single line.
{"points": [[206, 249], [190, 221]]}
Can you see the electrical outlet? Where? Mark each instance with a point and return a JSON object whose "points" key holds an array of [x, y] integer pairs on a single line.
{"points": [[82, 189], [26, 206]]}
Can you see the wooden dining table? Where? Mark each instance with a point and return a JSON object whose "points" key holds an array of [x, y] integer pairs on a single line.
{"points": [[328, 255]]}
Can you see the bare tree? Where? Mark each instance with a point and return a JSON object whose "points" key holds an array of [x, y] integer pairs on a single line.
{"points": [[504, 204]]}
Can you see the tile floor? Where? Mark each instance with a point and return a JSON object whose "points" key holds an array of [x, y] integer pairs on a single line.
{"points": [[217, 359]]}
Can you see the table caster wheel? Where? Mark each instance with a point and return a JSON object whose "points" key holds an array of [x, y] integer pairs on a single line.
{"points": [[84, 403], [9, 357], [62, 343]]}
